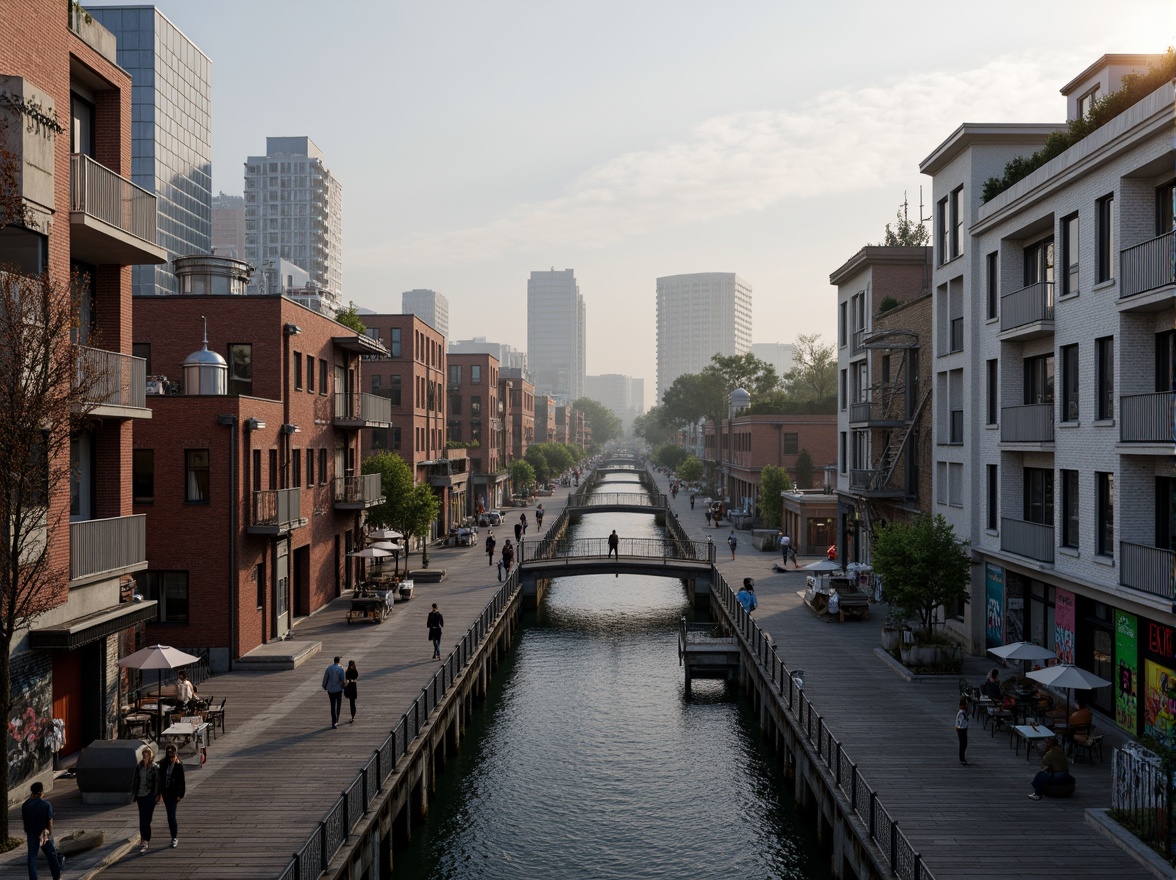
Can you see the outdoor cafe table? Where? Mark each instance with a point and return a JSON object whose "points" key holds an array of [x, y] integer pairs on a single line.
{"points": [[1031, 733], [196, 733]]}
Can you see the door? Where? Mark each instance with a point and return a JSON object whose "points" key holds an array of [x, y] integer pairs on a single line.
{"points": [[301, 581], [67, 697], [281, 589]]}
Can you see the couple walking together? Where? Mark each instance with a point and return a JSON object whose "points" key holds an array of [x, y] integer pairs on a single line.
{"points": [[339, 683]]}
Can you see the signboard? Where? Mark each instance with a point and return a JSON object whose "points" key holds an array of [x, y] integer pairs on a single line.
{"points": [[1126, 671], [994, 589], [1064, 626], [1159, 705], [1014, 610]]}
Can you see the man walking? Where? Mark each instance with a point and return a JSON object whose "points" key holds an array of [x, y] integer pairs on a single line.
{"points": [[334, 679], [435, 622], [785, 546], [37, 815], [732, 541], [539, 516], [614, 543], [490, 545]]}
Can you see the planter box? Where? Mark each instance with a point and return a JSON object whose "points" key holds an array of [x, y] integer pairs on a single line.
{"points": [[891, 639]]}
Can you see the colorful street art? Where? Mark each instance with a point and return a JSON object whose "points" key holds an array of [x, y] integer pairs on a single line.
{"points": [[1126, 671]]}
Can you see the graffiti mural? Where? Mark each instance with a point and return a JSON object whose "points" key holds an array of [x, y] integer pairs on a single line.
{"points": [[30, 721]]}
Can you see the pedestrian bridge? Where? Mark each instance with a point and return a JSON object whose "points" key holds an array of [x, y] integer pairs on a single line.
{"points": [[624, 502], [567, 557]]}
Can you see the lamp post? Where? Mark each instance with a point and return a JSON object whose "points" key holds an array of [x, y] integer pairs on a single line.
{"points": [[740, 399]]}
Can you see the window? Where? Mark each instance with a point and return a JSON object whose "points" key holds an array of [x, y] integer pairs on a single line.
{"points": [[841, 451], [1070, 255], [1166, 361], [297, 468], [393, 391], [196, 467], [394, 342], [993, 399], [170, 590], [273, 469], [992, 289], [1039, 264], [455, 404], [957, 221], [1039, 379], [24, 248], [841, 395], [791, 444], [455, 375], [941, 229], [310, 373], [309, 468], [143, 350], [1069, 383], [476, 406], [240, 368], [1104, 378], [1104, 485], [143, 475], [259, 581], [322, 455], [322, 376], [298, 370], [1164, 203], [842, 326], [993, 497], [1104, 219], [1038, 491], [955, 484], [1165, 508], [475, 374], [256, 470], [1070, 509]]}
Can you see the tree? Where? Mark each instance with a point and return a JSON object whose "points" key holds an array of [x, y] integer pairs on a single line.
{"points": [[689, 470], [746, 371], [922, 566], [522, 475], [420, 512], [695, 396], [652, 427], [405, 507], [906, 233], [538, 460], [773, 481], [804, 470], [669, 456], [605, 424], [814, 378], [348, 316]]}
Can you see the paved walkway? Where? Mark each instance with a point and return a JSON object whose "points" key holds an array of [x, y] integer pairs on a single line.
{"points": [[966, 822]]}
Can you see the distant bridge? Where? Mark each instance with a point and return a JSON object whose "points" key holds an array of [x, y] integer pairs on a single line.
{"points": [[663, 557], [627, 502]]}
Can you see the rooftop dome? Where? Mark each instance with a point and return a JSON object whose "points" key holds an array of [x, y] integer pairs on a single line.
{"points": [[205, 372]]}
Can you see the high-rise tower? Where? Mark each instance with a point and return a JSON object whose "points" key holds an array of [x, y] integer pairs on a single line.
{"points": [[555, 334], [698, 316]]}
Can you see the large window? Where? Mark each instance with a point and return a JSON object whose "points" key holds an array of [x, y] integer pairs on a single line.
{"points": [[993, 391], [1039, 263], [1069, 383], [393, 390], [941, 229], [170, 590], [322, 376], [1104, 378], [992, 288], [1070, 530], [455, 404], [957, 221], [298, 370], [143, 475], [1070, 255], [196, 473], [297, 468], [1039, 379], [394, 342], [1104, 486], [475, 374], [240, 368], [1039, 496], [993, 497], [475, 405], [455, 375], [791, 444], [1105, 241]]}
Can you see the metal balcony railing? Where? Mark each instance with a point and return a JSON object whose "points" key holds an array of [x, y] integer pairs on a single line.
{"points": [[1027, 305], [362, 489], [1147, 418], [1032, 540], [1033, 423], [115, 379], [1148, 569], [855, 343], [111, 198], [1146, 266], [360, 407], [115, 544], [278, 510]]}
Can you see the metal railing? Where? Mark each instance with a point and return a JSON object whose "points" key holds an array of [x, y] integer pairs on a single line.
{"points": [[612, 499], [365, 488], [1146, 266], [276, 507], [1033, 540], [354, 406], [355, 801], [1027, 305], [864, 802], [98, 545], [1140, 797], [855, 343], [1147, 418], [667, 549], [115, 379], [1147, 569], [1032, 423], [111, 198]]}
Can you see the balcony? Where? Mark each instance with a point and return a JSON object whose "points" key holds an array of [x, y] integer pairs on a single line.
{"points": [[118, 384], [1146, 275], [102, 548], [1147, 418], [1032, 540], [1147, 569], [1028, 313], [275, 512], [1033, 423], [872, 414], [358, 409], [111, 221], [358, 493], [866, 482]]}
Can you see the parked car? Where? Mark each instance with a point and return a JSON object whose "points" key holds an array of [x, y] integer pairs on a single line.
{"points": [[491, 518]]}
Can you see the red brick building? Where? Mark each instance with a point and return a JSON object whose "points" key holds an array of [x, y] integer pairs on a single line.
{"points": [[544, 419], [251, 484], [474, 418], [518, 396], [65, 117]]}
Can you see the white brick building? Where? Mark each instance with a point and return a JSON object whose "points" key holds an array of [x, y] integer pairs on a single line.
{"points": [[1054, 354]]}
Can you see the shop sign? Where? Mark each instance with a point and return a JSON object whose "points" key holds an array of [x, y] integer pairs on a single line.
{"points": [[1064, 625], [1126, 670]]}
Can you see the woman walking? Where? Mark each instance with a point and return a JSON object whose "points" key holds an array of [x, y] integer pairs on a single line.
{"points": [[961, 727], [350, 691], [172, 789], [507, 555], [435, 622], [146, 788]]}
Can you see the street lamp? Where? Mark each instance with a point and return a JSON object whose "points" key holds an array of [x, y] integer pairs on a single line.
{"points": [[740, 399]]}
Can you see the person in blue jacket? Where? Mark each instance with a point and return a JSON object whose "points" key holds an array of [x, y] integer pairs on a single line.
{"points": [[746, 596]]}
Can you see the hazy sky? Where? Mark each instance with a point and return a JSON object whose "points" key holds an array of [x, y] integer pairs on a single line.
{"points": [[477, 141]]}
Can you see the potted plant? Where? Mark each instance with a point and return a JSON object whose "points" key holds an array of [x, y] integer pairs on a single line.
{"points": [[893, 629]]}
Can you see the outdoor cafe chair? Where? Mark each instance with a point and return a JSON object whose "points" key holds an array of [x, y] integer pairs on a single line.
{"points": [[217, 716], [1087, 746]]}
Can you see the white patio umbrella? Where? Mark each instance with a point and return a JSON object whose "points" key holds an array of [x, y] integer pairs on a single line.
{"points": [[370, 553], [1070, 677], [390, 546], [822, 565], [1023, 651], [384, 534], [159, 658]]}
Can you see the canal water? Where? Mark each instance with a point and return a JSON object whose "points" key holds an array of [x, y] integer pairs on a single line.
{"points": [[587, 760]]}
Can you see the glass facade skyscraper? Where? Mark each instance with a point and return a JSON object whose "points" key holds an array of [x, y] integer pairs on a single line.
{"points": [[171, 133]]}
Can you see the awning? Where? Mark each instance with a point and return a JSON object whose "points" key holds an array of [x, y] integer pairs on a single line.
{"points": [[92, 627]]}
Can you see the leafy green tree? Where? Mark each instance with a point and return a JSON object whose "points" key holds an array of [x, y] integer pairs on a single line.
{"points": [[348, 316], [773, 481], [690, 470], [605, 424], [421, 509], [906, 232], [652, 428], [522, 475], [410, 509], [669, 456], [695, 396], [558, 458], [536, 458], [922, 566], [814, 377], [746, 371], [804, 470]]}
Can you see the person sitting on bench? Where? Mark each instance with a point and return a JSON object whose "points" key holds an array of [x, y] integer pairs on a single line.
{"points": [[1054, 768]]}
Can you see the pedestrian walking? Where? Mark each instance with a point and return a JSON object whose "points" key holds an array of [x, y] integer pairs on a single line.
{"points": [[500, 571], [614, 543], [37, 815], [732, 542], [333, 681], [490, 545], [539, 516], [518, 531], [435, 622], [350, 689], [692, 502], [507, 556], [523, 520], [185, 692], [746, 596], [172, 789], [145, 788], [785, 546], [708, 518], [962, 730]]}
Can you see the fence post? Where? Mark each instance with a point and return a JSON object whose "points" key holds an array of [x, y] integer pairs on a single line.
{"points": [[322, 846]]}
